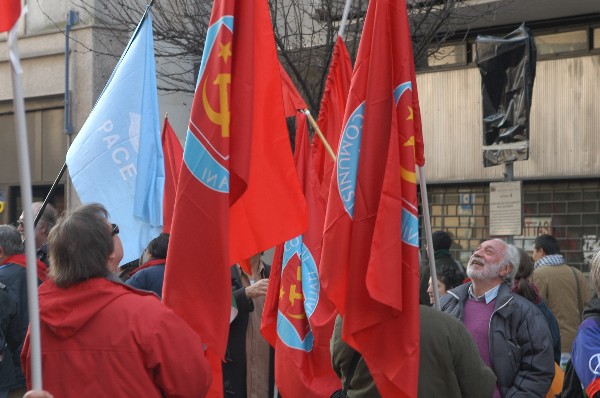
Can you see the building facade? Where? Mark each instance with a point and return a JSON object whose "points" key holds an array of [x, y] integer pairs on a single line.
{"points": [[561, 178], [90, 59]]}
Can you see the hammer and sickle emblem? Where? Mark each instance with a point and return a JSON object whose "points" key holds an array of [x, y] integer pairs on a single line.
{"points": [[408, 175], [293, 295], [220, 118]]}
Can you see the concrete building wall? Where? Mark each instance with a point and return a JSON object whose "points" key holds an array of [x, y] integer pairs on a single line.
{"points": [[564, 123]]}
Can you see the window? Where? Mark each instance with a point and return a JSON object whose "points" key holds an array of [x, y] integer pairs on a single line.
{"points": [[560, 43], [454, 54], [596, 43]]}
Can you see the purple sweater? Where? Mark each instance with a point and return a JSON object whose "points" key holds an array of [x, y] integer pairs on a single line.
{"points": [[477, 315]]}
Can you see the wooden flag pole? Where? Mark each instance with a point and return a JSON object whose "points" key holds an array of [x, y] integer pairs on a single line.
{"points": [[314, 124], [427, 221]]}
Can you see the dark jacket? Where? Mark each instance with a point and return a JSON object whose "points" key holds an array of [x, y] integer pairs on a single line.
{"points": [[12, 331], [150, 279], [42, 254], [449, 363], [519, 341], [15, 278], [554, 330], [361, 383], [234, 367]]}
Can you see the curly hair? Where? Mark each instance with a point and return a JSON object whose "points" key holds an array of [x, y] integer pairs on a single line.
{"points": [[450, 275]]}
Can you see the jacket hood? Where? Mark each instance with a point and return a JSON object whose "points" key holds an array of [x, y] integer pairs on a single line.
{"points": [[593, 308], [66, 311]]}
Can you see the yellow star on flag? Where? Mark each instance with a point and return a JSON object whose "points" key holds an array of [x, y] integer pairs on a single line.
{"points": [[225, 51]]}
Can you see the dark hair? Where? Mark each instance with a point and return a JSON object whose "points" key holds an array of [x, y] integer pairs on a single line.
{"points": [[10, 240], [441, 240], [521, 284], [450, 275], [80, 245], [548, 243], [157, 248]]}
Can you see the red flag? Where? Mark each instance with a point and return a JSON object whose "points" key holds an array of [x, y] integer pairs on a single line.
{"points": [[10, 10], [297, 319], [237, 192], [173, 153], [369, 265], [292, 100], [331, 113]]}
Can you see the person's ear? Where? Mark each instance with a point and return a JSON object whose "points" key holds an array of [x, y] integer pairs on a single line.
{"points": [[506, 270], [112, 262]]}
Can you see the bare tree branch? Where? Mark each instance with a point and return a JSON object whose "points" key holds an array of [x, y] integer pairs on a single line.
{"points": [[305, 31]]}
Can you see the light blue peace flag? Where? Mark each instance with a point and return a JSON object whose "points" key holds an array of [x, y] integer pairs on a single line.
{"points": [[117, 159]]}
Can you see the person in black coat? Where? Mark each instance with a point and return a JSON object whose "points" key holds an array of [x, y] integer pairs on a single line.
{"points": [[523, 286], [151, 274], [11, 327]]}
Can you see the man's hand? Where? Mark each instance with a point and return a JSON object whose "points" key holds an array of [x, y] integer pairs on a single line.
{"points": [[257, 289]]}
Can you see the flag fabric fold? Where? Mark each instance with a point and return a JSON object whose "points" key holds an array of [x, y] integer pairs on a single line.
{"points": [[173, 153], [369, 265], [237, 192], [117, 159], [292, 100], [297, 319], [331, 113], [10, 10]]}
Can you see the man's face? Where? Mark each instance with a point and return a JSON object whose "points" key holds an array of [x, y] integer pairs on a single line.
{"points": [[117, 255], [537, 254], [486, 261], [441, 290], [40, 230]]}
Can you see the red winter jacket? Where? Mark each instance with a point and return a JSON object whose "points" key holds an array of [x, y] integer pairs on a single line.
{"points": [[104, 339]]}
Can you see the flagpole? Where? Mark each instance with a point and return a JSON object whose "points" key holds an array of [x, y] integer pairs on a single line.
{"points": [[430, 253], [64, 166], [342, 30], [49, 195], [26, 201], [314, 124]]}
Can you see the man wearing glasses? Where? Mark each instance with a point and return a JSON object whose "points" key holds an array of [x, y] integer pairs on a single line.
{"points": [[42, 229]]}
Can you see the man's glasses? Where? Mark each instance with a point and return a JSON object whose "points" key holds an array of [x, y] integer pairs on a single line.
{"points": [[115, 229]]}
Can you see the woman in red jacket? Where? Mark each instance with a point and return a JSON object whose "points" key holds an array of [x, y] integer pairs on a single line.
{"points": [[101, 338]]}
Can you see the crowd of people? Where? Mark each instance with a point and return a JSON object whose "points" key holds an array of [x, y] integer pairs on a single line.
{"points": [[509, 322]]}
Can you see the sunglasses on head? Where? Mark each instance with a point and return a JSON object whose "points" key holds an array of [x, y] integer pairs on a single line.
{"points": [[115, 229]]}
